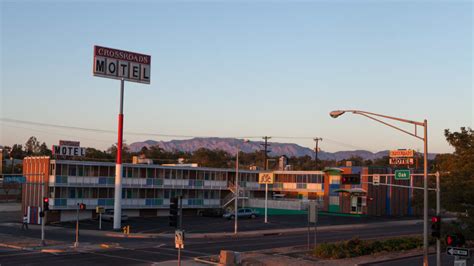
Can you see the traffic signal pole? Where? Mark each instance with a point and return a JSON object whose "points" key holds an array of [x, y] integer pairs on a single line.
{"points": [[118, 165], [438, 241], [43, 243]]}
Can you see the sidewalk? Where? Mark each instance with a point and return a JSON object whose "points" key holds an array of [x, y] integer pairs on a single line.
{"points": [[52, 246]]}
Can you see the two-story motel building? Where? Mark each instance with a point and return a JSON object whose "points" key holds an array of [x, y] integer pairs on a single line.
{"points": [[147, 189]]}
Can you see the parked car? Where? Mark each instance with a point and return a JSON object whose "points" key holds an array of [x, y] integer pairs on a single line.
{"points": [[108, 215], [216, 212], [241, 213]]}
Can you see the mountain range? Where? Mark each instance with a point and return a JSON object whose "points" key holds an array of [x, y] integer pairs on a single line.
{"points": [[230, 145]]}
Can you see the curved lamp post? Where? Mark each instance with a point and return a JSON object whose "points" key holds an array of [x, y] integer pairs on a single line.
{"points": [[424, 124]]}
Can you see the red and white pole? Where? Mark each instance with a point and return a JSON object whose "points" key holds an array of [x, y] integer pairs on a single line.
{"points": [[118, 165]]}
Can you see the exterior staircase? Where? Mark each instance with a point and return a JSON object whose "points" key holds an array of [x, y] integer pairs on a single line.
{"points": [[227, 200]]}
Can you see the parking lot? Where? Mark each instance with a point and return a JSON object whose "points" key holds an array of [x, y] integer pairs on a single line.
{"points": [[198, 224]]}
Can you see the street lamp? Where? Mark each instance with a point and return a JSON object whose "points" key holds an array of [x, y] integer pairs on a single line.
{"points": [[237, 186], [424, 124]]}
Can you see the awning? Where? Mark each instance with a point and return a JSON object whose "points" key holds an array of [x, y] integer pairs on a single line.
{"points": [[352, 191]]}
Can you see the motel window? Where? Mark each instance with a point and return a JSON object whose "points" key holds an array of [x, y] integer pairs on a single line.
{"points": [[64, 169], [80, 170], [167, 194], [72, 170], [57, 192], [63, 193], [94, 192], [142, 172], [72, 193], [142, 193], [136, 172], [80, 193], [58, 169], [200, 175], [103, 171], [192, 174], [150, 173], [94, 171], [179, 174], [87, 171], [167, 174], [102, 193]]}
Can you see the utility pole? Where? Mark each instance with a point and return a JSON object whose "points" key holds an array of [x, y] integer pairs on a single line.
{"points": [[316, 148], [266, 151]]}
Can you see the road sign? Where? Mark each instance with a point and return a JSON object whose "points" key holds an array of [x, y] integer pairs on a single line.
{"points": [[14, 179], [461, 252], [401, 153], [401, 161], [119, 64], [376, 180], [265, 178], [402, 174], [99, 209], [179, 238]]}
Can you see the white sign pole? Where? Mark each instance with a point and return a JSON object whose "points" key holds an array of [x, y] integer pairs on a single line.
{"points": [[266, 202], [100, 221]]}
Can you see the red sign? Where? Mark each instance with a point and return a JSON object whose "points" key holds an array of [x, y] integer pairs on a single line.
{"points": [[401, 153]]}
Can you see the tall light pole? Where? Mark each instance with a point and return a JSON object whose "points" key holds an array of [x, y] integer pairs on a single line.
{"points": [[424, 124], [237, 186]]}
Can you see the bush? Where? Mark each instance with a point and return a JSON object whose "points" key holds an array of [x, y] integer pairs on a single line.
{"points": [[356, 247]]}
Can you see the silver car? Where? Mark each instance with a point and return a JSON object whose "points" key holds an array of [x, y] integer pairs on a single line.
{"points": [[108, 215], [241, 213]]}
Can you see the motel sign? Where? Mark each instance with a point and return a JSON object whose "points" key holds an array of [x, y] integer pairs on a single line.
{"points": [[119, 64]]}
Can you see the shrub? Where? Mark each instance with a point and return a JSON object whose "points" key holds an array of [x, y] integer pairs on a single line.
{"points": [[356, 247]]}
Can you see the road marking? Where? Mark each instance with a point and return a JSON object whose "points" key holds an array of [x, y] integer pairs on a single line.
{"points": [[21, 254], [119, 257]]}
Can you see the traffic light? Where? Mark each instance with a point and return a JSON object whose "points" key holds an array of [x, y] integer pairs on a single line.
{"points": [[174, 212], [45, 204], [350, 179], [436, 226], [82, 206], [455, 240]]}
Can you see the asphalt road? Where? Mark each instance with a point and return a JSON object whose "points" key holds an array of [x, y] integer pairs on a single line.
{"points": [[197, 224], [148, 251]]}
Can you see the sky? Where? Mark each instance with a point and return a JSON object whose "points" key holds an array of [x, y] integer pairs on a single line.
{"points": [[239, 69]]}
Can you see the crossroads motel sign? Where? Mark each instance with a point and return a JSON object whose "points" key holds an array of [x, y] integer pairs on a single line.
{"points": [[404, 157], [68, 148], [124, 66], [119, 64]]}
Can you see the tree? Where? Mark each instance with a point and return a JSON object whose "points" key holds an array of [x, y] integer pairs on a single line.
{"points": [[43, 150], [32, 146], [457, 182]]}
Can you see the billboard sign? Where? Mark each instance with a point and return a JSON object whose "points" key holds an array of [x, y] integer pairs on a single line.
{"points": [[265, 178], [401, 161], [68, 148], [401, 153], [119, 64]]}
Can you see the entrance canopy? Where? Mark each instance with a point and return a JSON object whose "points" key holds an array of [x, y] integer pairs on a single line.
{"points": [[352, 191]]}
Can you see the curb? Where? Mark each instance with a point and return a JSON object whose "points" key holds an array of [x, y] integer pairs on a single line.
{"points": [[298, 230], [15, 247], [394, 259]]}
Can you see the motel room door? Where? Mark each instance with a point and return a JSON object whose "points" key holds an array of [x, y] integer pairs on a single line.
{"points": [[356, 204]]}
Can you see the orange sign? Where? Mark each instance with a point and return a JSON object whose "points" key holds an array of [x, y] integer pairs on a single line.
{"points": [[265, 178], [401, 153]]}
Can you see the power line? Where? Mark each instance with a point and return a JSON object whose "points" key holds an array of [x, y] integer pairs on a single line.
{"points": [[16, 121]]}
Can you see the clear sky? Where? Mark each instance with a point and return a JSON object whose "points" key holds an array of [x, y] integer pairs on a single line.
{"points": [[240, 68]]}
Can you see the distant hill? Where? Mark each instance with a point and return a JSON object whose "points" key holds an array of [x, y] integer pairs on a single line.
{"points": [[230, 145]]}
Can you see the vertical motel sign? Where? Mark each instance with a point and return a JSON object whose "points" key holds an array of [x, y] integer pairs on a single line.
{"points": [[124, 66]]}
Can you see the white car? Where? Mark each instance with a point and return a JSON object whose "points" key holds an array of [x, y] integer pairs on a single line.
{"points": [[108, 215]]}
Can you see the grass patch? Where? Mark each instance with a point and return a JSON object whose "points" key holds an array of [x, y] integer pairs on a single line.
{"points": [[356, 247]]}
